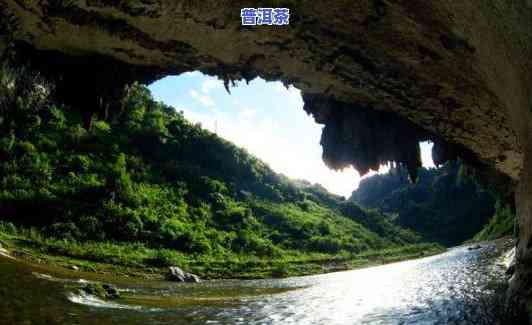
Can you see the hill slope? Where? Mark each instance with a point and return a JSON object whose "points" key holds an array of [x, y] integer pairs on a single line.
{"points": [[444, 205]]}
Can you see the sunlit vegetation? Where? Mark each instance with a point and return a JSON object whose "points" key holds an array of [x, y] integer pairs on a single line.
{"points": [[444, 205], [500, 225], [144, 186]]}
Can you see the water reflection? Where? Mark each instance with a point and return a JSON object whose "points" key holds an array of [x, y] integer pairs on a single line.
{"points": [[432, 290], [425, 291]]}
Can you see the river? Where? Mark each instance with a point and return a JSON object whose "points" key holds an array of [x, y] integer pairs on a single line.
{"points": [[444, 289]]}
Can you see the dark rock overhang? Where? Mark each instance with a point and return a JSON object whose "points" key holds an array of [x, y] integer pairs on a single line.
{"points": [[381, 75]]}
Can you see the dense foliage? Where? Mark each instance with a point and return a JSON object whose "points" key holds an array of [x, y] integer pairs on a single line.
{"points": [[144, 174], [501, 224], [444, 205]]}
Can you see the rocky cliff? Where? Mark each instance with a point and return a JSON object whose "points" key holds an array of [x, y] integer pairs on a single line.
{"points": [[380, 74]]}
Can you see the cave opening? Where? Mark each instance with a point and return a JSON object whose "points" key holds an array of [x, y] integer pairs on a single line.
{"points": [[357, 136], [268, 119], [453, 72]]}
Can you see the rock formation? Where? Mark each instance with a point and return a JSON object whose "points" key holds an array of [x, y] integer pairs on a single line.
{"points": [[381, 74], [177, 274], [103, 291]]}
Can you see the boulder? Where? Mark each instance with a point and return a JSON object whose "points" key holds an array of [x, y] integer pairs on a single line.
{"points": [[111, 291], [104, 291], [3, 251], [192, 278], [474, 247], [177, 274]]}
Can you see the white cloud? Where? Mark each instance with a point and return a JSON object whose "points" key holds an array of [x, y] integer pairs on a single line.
{"points": [[260, 136], [209, 84], [203, 95], [279, 87], [247, 113], [281, 134], [204, 99], [195, 74]]}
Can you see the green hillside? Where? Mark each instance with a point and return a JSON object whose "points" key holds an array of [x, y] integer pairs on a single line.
{"points": [[143, 186], [444, 205]]}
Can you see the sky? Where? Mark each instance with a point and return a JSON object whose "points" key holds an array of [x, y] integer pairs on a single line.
{"points": [[266, 119]]}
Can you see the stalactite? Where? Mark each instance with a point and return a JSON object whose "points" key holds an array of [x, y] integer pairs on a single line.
{"points": [[364, 138]]}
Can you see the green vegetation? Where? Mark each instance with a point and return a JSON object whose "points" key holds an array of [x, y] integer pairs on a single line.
{"points": [[444, 205], [143, 187], [138, 259], [500, 225]]}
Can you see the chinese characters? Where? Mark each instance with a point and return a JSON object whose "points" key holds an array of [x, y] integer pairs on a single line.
{"points": [[265, 16]]}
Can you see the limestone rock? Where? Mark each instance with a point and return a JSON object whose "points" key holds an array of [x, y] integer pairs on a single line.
{"points": [[192, 278], [459, 70], [177, 274]]}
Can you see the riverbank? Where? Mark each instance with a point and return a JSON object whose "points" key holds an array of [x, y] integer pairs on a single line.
{"points": [[456, 287], [138, 261]]}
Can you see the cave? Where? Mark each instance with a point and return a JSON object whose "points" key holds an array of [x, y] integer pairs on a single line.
{"points": [[381, 75]]}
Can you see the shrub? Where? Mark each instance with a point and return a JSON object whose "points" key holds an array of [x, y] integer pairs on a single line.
{"points": [[24, 148], [7, 144], [193, 241], [67, 230], [325, 244], [92, 228], [232, 215], [248, 241], [171, 230], [101, 128], [79, 163], [154, 123], [47, 144], [8, 228], [57, 118], [121, 222], [118, 180], [280, 271], [163, 258], [75, 134]]}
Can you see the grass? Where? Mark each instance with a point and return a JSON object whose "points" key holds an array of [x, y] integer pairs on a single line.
{"points": [[135, 259]]}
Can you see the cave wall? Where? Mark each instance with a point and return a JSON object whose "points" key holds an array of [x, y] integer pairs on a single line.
{"points": [[380, 74], [459, 69]]}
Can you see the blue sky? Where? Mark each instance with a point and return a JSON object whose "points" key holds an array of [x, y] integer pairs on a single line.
{"points": [[265, 118]]}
